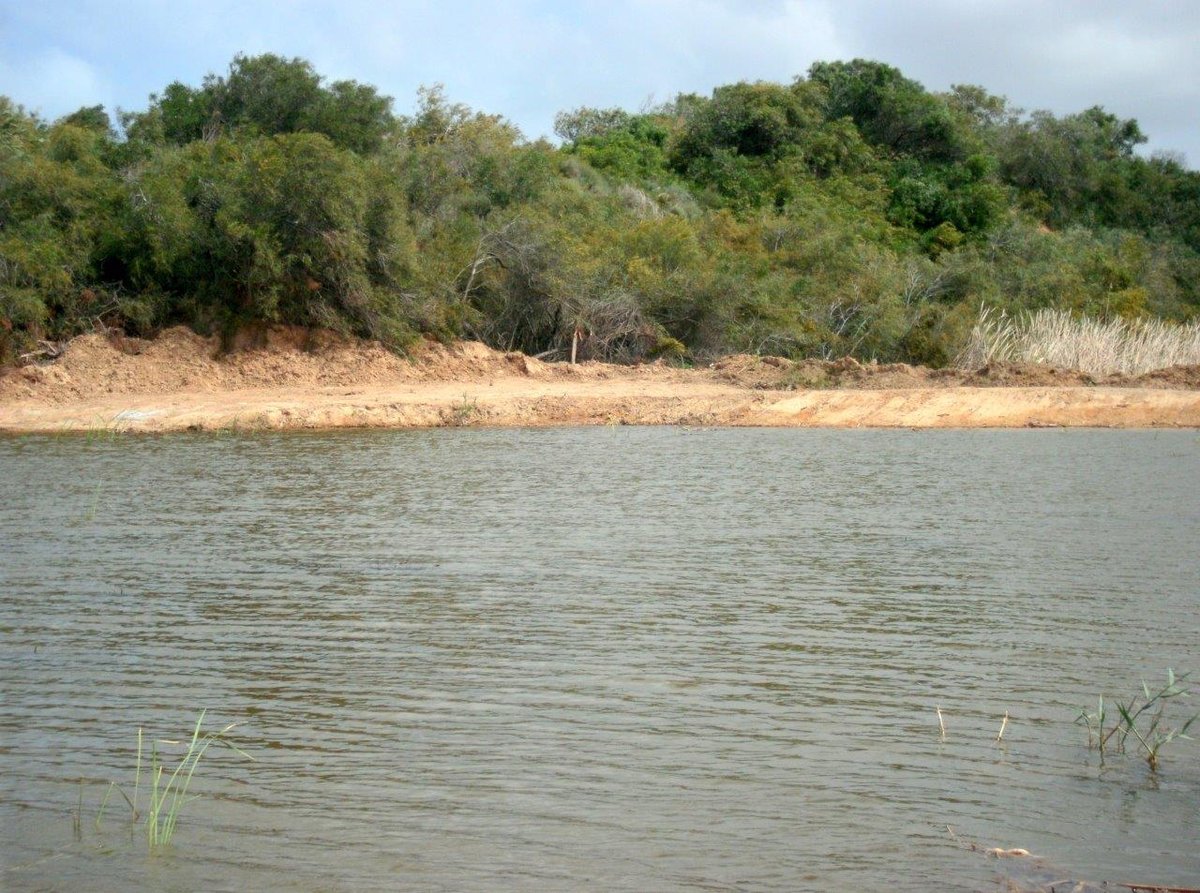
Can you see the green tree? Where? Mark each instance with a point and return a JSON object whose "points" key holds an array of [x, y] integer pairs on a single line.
{"points": [[891, 110], [267, 95]]}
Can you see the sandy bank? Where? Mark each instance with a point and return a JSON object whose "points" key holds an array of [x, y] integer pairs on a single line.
{"points": [[290, 379]]}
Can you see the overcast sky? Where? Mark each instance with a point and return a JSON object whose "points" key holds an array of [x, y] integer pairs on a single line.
{"points": [[527, 59]]}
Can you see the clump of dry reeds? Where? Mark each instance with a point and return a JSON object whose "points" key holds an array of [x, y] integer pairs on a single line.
{"points": [[1056, 338]]}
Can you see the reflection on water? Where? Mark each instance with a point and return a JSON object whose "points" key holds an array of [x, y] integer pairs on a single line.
{"points": [[601, 659]]}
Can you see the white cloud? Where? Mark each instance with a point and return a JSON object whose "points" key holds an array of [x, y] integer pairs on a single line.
{"points": [[1137, 60], [528, 59], [53, 82]]}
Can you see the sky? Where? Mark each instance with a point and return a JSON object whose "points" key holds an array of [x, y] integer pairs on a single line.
{"points": [[527, 59]]}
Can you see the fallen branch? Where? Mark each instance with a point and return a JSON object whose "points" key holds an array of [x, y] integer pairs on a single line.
{"points": [[49, 350]]}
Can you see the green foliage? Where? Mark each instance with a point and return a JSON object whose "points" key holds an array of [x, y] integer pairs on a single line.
{"points": [[1023, 266], [267, 95], [748, 120], [589, 123], [1081, 170], [166, 785], [92, 118], [961, 196], [892, 111], [633, 152], [56, 198], [1141, 718], [848, 212], [287, 228]]}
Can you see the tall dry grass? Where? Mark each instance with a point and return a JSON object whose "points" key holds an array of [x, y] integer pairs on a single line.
{"points": [[1056, 338]]}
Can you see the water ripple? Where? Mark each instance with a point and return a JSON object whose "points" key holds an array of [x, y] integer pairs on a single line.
{"points": [[592, 659]]}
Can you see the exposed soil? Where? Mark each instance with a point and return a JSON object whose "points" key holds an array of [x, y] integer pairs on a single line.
{"points": [[291, 378], [777, 373], [281, 357]]}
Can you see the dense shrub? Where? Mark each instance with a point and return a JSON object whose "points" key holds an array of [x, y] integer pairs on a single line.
{"points": [[850, 211]]}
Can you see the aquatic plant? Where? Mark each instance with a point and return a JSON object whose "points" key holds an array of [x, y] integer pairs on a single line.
{"points": [[100, 430], [90, 514], [1141, 718], [170, 794], [167, 785], [942, 725]]}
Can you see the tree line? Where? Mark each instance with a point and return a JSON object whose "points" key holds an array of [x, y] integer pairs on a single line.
{"points": [[850, 211]]}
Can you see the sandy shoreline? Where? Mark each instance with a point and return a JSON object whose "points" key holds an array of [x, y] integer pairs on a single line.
{"points": [[181, 382], [514, 402]]}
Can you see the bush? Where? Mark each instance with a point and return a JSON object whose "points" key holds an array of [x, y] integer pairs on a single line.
{"points": [[847, 212]]}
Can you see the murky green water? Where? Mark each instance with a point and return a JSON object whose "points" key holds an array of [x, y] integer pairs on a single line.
{"points": [[632, 659]]}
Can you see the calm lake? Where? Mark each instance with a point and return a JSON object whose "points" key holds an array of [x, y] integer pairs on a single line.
{"points": [[597, 659]]}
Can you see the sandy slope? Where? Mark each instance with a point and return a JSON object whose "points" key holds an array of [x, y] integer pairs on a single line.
{"points": [[290, 379]]}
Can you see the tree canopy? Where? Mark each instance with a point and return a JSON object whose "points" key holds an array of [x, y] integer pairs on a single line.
{"points": [[850, 211]]}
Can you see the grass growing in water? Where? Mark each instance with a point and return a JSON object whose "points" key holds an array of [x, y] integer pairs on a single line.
{"points": [[1141, 718], [169, 793], [167, 786]]}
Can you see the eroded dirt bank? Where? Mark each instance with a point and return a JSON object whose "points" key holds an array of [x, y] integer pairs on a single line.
{"points": [[286, 378]]}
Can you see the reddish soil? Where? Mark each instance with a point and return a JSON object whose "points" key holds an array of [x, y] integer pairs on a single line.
{"points": [[291, 378]]}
